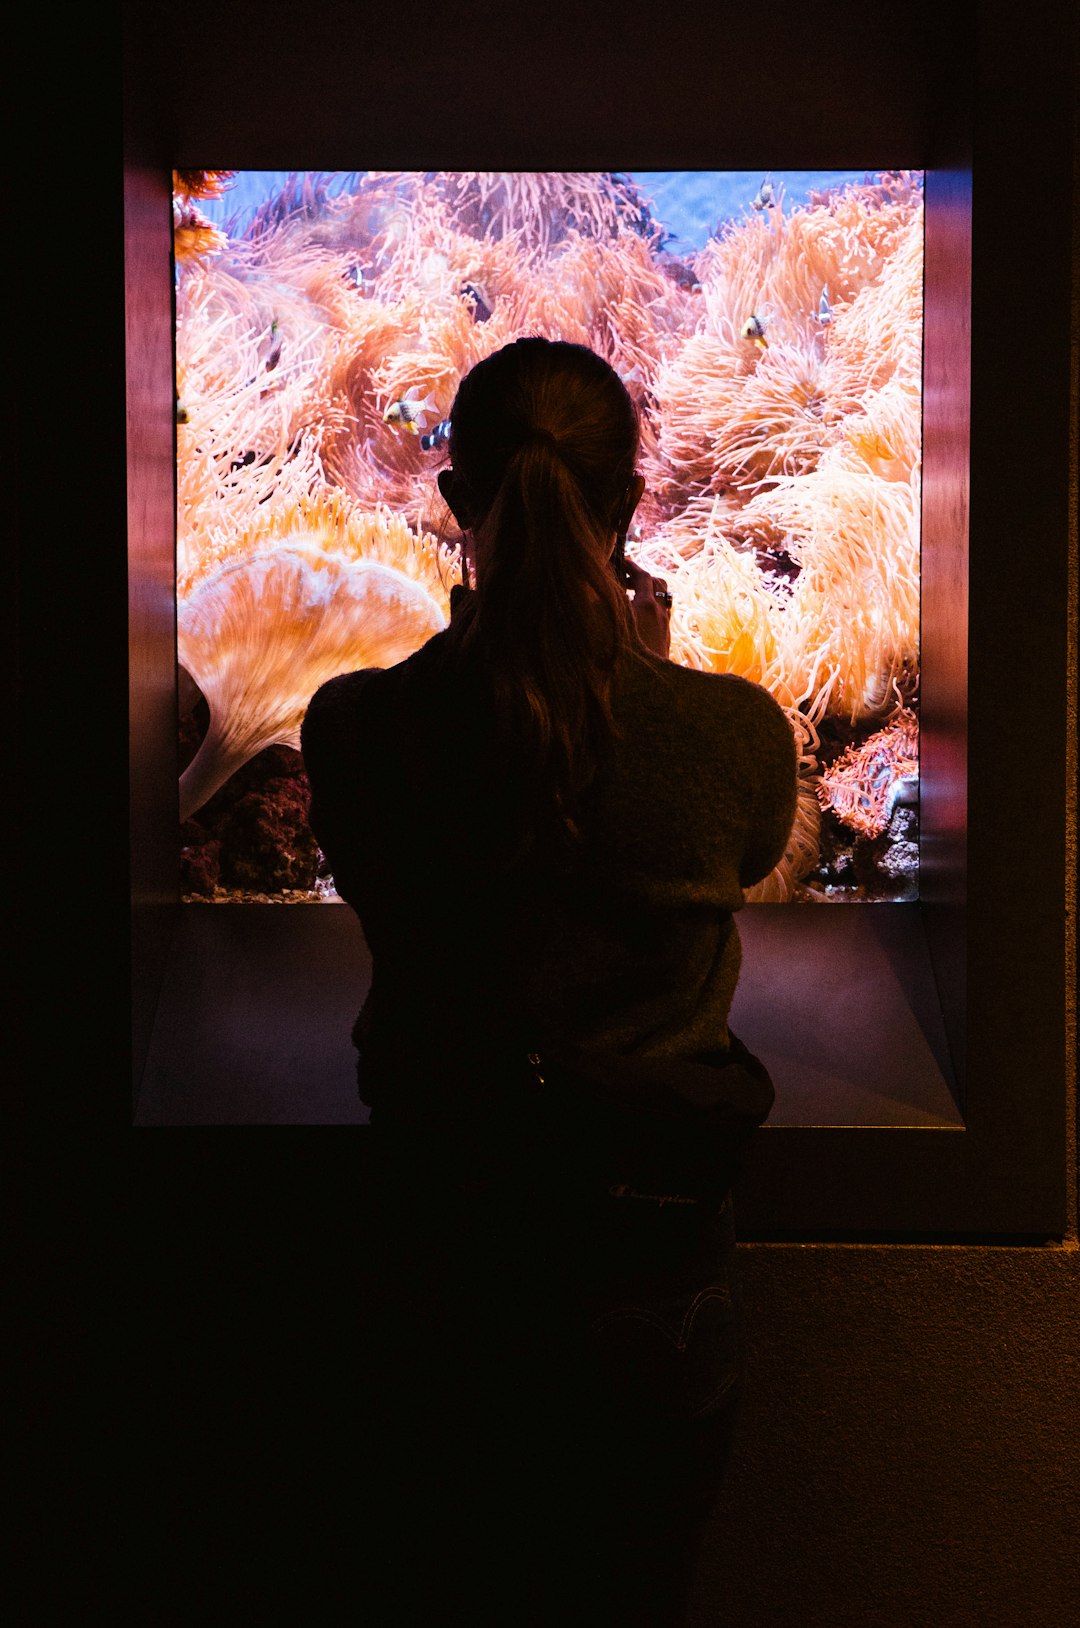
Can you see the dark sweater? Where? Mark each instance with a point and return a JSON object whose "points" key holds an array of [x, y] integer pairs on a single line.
{"points": [[629, 944]]}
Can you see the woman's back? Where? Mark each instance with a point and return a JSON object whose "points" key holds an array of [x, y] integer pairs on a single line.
{"points": [[625, 941]]}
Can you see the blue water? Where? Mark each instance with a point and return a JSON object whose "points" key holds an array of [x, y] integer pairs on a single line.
{"points": [[690, 203], [693, 203]]}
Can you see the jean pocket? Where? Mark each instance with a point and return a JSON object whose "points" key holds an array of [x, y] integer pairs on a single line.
{"points": [[672, 1354]]}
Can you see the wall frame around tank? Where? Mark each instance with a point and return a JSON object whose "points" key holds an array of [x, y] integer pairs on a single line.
{"points": [[989, 930]]}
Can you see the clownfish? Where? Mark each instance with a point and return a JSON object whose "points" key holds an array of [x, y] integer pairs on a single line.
{"points": [[754, 329], [765, 198], [481, 305], [436, 438]]}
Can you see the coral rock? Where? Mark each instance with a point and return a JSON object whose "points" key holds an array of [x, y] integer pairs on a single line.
{"points": [[200, 860], [267, 844]]}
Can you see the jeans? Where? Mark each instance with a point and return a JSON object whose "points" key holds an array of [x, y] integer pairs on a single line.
{"points": [[551, 1391]]}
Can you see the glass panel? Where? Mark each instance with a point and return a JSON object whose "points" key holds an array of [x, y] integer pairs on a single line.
{"points": [[770, 330]]}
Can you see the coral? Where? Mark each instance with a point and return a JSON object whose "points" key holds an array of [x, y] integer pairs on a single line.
{"points": [[266, 842]]}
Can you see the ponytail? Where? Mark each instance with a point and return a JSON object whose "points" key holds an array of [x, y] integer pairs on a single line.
{"points": [[549, 620]]}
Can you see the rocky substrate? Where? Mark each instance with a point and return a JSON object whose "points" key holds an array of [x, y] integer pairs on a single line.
{"points": [[851, 867], [251, 841]]}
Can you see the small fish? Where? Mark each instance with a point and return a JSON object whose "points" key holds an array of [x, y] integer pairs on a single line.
{"points": [[182, 416], [824, 310], [271, 347], [436, 438], [409, 413], [481, 305], [682, 275], [765, 197], [354, 276], [754, 329]]}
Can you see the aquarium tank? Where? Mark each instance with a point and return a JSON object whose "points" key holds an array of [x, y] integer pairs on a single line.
{"points": [[769, 328]]}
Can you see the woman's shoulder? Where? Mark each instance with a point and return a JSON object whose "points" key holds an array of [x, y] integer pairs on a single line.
{"points": [[349, 696], [337, 701], [706, 696]]}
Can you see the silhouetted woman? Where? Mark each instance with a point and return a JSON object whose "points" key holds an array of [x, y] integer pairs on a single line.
{"points": [[545, 828]]}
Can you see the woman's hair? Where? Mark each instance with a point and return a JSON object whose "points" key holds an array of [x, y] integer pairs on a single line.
{"points": [[543, 441]]}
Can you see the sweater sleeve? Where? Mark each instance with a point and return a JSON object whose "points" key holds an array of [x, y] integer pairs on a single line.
{"points": [[775, 781], [332, 748]]}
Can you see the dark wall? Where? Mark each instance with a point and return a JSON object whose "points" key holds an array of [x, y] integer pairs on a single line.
{"points": [[913, 1412], [908, 1451], [618, 84]]}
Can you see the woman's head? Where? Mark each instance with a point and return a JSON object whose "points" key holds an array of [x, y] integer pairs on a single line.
{"points": [[543, 442], [557, 412]]}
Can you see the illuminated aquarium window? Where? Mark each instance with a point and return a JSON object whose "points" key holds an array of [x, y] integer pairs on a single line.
{"points": [[769, 328]]}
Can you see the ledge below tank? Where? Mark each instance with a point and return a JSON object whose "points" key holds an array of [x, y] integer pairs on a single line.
{"points": [[253, 1023]]}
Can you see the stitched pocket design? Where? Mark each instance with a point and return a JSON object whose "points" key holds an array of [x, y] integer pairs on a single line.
{"points": [[673, 1355]]}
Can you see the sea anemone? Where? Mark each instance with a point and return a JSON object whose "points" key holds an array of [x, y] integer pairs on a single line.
{"points": [[741, 412], [202, 183], [734, 416], [859, 786], [194, 237], [725, 618], [539, 208], [329, 520], [884, 437], [802, 850], [852, 620], [878, 337], [262, 633], [800, 853]]}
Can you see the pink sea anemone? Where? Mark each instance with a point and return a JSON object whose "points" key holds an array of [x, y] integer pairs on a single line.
{"points": [[262, 633], [540, 208], [736, 413], [800, 854], [859, 786]]}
